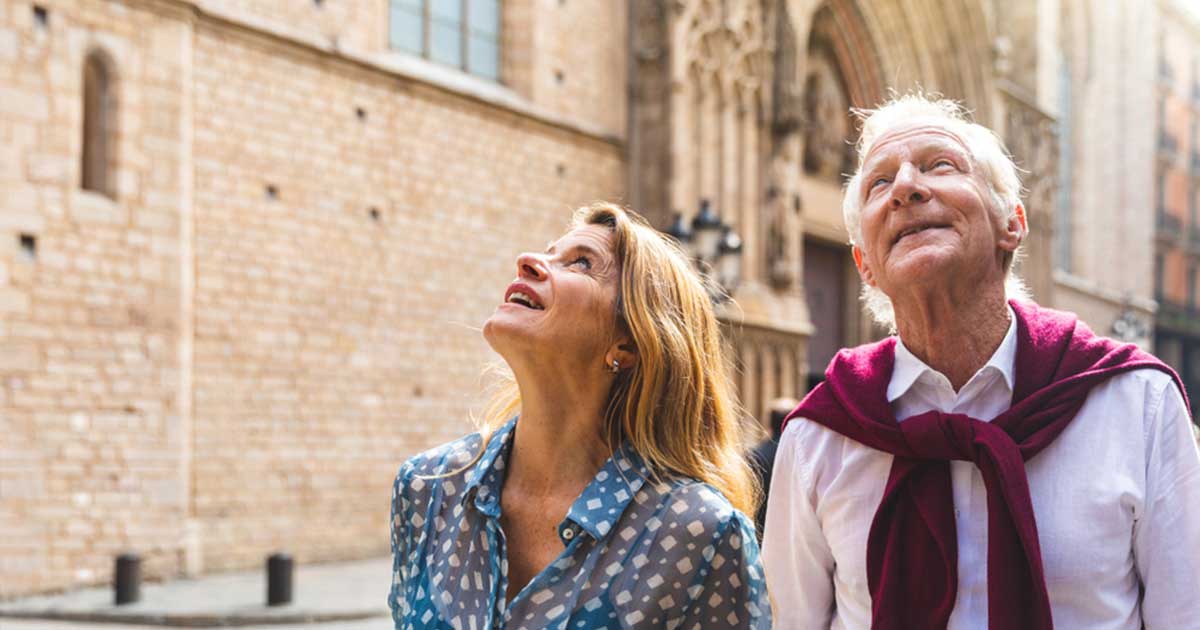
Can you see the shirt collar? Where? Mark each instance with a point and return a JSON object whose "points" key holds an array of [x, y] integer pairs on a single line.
{"points": [[907, 368], [606, 497], [597, 508], [485, 478]]}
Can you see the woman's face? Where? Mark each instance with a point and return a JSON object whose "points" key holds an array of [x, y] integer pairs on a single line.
{"points": [[562, 301]]}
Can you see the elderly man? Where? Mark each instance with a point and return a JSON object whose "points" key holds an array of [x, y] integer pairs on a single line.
{"points": [[995, 465]]}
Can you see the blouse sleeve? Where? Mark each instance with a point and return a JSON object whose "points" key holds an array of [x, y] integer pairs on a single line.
{"points": [[731, 592], [401, 507]]}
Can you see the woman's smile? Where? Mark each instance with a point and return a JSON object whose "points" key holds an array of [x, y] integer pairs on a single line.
{"points": [[520, 294]]}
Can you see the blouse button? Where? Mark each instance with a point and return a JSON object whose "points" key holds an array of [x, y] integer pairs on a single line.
{"points": [[568, 533]]}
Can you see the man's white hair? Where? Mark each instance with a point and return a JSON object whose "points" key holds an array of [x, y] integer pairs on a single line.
{"points": [[987, 153]]}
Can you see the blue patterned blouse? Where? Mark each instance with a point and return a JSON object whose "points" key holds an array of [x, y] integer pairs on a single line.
{"points": [[636, 554]]}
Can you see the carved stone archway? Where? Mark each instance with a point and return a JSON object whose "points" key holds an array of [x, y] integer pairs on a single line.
{"points": [[731, 98]]}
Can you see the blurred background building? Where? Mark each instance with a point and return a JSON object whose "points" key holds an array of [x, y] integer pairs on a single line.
{"points": [[246, 245], [1177, 189]]}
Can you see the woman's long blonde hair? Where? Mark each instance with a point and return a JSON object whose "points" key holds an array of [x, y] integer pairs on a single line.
{"points": [[675, 407]]}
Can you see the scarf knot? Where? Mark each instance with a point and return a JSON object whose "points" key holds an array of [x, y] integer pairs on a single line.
{"points": [[955, 437]]}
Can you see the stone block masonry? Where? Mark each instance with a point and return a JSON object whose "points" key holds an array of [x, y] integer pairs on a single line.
{"points": [[280, 302]]}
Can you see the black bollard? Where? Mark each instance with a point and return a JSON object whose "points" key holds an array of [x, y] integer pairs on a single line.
{"points": [[127, 579], [279, 579]]}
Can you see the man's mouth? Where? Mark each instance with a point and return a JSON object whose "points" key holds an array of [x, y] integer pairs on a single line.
{"points": [[916, 229]]}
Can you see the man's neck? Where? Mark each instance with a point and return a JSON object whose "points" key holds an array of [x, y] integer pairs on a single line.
{"points": [[954, 338]]}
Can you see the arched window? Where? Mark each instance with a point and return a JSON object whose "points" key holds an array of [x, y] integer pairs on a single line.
{"points": [[99, 114]]}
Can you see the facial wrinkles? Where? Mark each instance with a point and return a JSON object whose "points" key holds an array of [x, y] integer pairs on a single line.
{"points": [[878, 155], [583, 244], [600, 281], [909, 148]]}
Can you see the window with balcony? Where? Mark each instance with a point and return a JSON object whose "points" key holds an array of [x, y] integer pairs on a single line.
{"points": [[1160, 265], [463, 34], [1193, 215], [1170, 227], [1191, 285]]}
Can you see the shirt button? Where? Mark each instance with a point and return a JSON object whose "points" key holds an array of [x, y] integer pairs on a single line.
{"points": [[568, 533]]}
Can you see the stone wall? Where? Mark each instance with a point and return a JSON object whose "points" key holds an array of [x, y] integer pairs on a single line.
{"points": [[337, 322], [282, 302], [90, 458]]}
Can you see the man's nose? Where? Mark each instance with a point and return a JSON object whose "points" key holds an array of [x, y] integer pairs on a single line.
{"points": [[908, 187], [531, 266]]}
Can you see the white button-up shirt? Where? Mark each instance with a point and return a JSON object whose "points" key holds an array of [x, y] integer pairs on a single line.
{"points": [[1116, 495]]}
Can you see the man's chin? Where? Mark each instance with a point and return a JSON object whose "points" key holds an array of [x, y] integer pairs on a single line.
{"points": [[922, 265]]}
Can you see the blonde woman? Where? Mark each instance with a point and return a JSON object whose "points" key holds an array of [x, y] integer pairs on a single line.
{"points": [[617, 495]]}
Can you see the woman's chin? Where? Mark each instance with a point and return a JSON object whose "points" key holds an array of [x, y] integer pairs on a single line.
{"points": [[500, 331]]}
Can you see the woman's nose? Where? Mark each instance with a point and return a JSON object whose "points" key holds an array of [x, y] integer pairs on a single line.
{"points": [[908, 187], [531, 266]]}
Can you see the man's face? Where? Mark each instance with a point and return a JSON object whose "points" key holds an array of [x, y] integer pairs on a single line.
{"points": [[927, 215]]}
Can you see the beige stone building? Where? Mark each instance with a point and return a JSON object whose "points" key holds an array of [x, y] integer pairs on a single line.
{"points": [[246, 245], [1177, 188]]}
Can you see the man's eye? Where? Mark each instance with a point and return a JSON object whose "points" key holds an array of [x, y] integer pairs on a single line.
{"points": [[878, 181], [944, 162]]}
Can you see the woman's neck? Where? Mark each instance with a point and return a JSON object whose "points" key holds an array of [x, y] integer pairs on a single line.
{"points": [[558, 443]]}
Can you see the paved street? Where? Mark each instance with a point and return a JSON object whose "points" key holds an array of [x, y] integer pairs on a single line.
{"points": [[341, 596], [30, 624]]}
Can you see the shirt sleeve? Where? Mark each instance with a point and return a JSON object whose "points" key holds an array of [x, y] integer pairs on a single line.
{"points": [[797, 559], [1167, 535], [732, 592]]}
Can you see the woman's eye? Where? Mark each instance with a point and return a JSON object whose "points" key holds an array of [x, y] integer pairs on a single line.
{"points": [[879, 180], [943, 162], [582, 261]]}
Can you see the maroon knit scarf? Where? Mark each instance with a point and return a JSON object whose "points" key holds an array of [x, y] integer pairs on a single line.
{"points": [[912, 552]]}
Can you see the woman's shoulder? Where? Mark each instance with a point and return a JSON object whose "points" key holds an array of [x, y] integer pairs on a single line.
{"points": [[700, 509], [444, 462]]}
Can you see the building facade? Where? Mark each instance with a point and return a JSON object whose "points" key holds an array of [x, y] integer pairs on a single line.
{"points": [[246, 245], [1177, 192]]}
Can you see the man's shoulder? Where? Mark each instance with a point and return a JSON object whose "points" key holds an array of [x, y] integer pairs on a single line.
{"points": [[1145, 384], [805, 435], [814, 454]]}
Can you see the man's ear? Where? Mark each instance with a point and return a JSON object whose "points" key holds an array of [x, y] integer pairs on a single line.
{"points": [[1015, 230], [864, 270]]}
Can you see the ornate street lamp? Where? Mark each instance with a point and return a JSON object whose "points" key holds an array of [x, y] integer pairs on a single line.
{"points": [[680, 232], [729, 260], [715, 248], [706, 230]]}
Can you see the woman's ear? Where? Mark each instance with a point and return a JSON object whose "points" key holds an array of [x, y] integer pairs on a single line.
{"points": [[624, 352]]}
